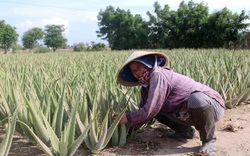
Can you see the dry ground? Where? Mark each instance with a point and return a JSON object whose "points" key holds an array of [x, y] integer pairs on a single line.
{"points": [[232, 131]]}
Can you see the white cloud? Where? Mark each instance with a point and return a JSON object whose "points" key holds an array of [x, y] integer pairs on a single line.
{"points": [[43, 22], [78, 15]]}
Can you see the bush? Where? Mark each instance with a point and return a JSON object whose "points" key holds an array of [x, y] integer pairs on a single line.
{"points": [[79, 47], [89, 47], [42, 50], [16, 48], [98, 46]]}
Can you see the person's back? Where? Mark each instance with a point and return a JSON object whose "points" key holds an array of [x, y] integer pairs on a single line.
{"points": [[177, 87]]}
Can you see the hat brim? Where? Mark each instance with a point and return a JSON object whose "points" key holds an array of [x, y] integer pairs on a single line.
{"points": [[131, 80]]}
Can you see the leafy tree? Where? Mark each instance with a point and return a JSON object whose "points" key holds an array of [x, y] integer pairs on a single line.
{"points": [[191, 26], [176, 29], [31, 37], [121, 28], [53, 36], [2, 24], [141, 31], [8, 36], [160, 25], [192, 18], [225, 27]]}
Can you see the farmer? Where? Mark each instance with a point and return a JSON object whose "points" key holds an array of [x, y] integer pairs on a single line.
{"points": [[173, 99]]}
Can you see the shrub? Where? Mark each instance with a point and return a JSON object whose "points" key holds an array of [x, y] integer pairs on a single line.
{"points": [[98, 46], [42, 50], [16, 48], [79, 47], [89, 47]]}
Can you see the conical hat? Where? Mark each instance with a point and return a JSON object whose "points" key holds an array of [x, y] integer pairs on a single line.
{"points": [[125, 76]]}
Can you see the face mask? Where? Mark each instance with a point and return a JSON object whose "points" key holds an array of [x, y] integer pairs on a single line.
{"points": [[144, 78]]}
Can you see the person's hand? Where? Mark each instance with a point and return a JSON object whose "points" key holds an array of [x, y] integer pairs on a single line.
{"points": [[123, 120]]}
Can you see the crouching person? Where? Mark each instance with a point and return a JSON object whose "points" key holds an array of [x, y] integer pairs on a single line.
{"points": [[173, 99]]}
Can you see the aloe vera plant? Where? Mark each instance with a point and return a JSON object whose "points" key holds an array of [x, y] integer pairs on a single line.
{"points": [[47, 89], [7, 140], [98, 140], [66, 145]]}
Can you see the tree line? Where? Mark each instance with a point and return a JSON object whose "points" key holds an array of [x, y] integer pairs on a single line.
{"points": [[190, 26], [51, 36]]}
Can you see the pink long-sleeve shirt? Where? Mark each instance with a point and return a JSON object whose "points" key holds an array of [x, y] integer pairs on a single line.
{"points": [[166, 93]]}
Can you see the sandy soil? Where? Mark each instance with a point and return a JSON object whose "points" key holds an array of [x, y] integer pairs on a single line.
{"points": [[232, 131]]}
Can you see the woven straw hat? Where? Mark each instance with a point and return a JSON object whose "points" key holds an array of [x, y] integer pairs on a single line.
{"points": [[125, 76]]}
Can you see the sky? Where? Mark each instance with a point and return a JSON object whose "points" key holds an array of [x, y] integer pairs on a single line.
{"points": [[79, 17]]}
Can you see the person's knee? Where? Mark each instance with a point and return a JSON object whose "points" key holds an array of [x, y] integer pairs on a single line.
{"points": [[198, 100]]}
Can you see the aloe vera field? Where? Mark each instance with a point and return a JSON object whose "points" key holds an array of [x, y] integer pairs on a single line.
{"points": [[63, 103]]}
